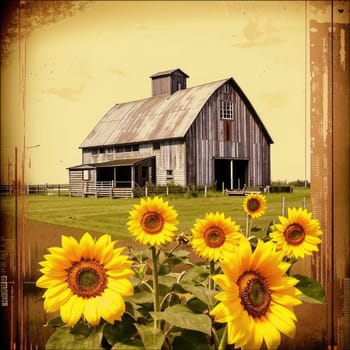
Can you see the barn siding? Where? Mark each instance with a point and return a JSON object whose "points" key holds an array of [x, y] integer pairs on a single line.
{"points": [[190, 160], [205, 141], [171, 156], [78, 187]]}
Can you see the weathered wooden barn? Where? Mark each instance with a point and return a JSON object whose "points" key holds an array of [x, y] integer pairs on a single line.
{"points": [[204, 135]]}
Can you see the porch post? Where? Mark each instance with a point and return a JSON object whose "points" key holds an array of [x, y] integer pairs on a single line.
{"points": [[132, 169], [231, 174]]}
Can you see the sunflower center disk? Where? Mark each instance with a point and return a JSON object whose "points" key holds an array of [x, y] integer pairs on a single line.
{"points": [[253, 204], [254, 293], [87, 278], [294, 234], [152, 222], [214, 237]]}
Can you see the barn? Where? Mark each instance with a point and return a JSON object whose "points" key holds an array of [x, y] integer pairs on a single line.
{"points": [[208, 134]]}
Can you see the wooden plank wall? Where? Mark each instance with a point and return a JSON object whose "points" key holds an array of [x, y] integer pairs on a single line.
{"points": [[330, 164], [206, 139], [327, 326]]}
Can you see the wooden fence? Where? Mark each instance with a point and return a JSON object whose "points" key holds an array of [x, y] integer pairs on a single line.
{"points": [[39, 189]]}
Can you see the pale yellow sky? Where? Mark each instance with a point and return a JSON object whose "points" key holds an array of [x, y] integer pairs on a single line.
{"points": [[76, 69]]}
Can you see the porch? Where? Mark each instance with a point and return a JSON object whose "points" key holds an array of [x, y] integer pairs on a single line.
{"points": [[119, 178]]}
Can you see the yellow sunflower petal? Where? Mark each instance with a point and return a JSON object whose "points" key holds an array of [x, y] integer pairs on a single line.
{"points": [[285, 325], [87, 245], [121, 286], [72, 310], [256, 333], [71, 248], [91, 312], [271, 335], [53, 303]]}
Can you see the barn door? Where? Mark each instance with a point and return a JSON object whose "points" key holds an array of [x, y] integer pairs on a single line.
{"points": [[232, 173]]}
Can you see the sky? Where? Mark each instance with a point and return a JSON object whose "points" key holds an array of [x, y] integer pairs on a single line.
{"points": [[64, 75]]}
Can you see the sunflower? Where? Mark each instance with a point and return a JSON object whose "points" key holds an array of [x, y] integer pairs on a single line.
{"points": [[298, 234], [86, 278], [153, 221], [254, 205], [214, 236], [258, 297]]}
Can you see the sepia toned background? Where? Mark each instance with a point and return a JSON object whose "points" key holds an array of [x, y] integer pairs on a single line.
{"points": [[76, 59], [64, 64]]}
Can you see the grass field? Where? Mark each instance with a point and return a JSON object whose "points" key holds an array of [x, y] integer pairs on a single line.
{"points": [[105, 215]]}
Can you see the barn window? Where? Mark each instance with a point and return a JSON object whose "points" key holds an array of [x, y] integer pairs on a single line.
{"points": [[94, 151], [227, 130], [156, 145], [127, 148], [226, 110], [169, 174], [86, 175]]}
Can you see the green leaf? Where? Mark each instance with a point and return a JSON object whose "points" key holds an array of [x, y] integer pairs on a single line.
{"points": [[63, 339], [168, 281], [152, 338], [129, 344], [140, 298], [201, 293], [120, 330], [181, 316], [197, 306], [164, 269], [195, 274], [177, 257], [191, 340], [312, 290], [82, 328], [55, 322]]}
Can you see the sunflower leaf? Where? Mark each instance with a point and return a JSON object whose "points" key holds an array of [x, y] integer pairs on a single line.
{"points": [[64, 339], [55, 322], [195, 274], [82, 328], [181, 316], [120, 330], [191, 340], [151, 338], [312, 290], [129, 344], [201, 293]]}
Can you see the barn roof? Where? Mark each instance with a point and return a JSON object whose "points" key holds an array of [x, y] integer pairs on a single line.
{"points": [[157, 118], [111, 163], [168, 72]]}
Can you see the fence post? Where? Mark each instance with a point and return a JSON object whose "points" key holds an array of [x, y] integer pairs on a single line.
{"points": [[167, 191], [223, 187], [146, 191], [205, 191], [59, 190]]}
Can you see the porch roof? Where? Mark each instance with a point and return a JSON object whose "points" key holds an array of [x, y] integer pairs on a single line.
{"points": [[112, 163]]}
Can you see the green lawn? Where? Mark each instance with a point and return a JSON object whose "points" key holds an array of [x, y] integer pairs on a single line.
{"points": [[105, 215]]}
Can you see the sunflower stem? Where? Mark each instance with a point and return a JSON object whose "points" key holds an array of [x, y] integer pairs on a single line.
{"points": [[211, 274], [156, 304], [223, 340], [247, 226]]}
